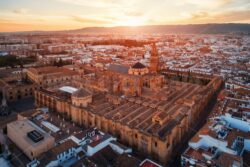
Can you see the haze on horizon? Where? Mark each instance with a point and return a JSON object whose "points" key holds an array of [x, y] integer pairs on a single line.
{"points": [[28, 15]]}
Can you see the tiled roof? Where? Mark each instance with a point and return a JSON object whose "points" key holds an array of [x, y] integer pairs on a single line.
{"points": [[138, 65], [63, 147], [81, 93], [118, 68]]}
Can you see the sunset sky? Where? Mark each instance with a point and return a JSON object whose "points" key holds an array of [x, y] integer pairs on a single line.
{"points": [[26, 15]]}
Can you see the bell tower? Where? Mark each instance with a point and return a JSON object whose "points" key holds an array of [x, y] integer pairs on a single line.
{"points": [[154, 60]]}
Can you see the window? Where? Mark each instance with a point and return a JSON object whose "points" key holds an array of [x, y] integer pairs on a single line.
{"points": [[136, 136], [156, 144], [240, 139]]}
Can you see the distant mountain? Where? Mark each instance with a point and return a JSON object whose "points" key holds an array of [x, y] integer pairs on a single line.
{"points": [[169, 29], [159, 29]]}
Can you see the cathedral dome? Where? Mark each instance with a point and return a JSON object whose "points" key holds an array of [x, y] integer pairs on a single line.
{"points": [[138, 65], [138, 69], [81, 93]]}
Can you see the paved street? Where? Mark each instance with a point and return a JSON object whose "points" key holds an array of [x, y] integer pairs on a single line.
{"points": [[179, 150], [22, 105]]}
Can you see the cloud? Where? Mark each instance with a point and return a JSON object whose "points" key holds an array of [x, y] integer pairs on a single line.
{"points": [[224, 17], [200, 15], [79, 13], [93, 3], [20, 11], [233, 16], [134, 13], [91, 20], [208, 3]]}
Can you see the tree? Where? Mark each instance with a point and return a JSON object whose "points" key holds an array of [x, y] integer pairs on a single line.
{"points": [[5, 130], [60, 63], [9, 60], [11, 147], [1, 148]]}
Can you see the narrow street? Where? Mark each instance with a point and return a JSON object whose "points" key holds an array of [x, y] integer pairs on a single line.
{"points": [[203, 119]]}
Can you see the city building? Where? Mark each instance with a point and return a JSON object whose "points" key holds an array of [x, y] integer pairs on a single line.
{"points": [[49, 76], [224, 140], [31, 139], [15, 85]]}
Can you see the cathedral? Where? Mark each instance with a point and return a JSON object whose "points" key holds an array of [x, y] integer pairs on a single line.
{"points": [[134, 103], [133, 80]]}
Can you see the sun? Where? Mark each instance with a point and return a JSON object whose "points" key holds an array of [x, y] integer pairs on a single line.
{"points": [[131, 21]]}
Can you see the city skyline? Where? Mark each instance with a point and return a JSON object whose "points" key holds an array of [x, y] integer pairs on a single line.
{"points": [[27, 15]]}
